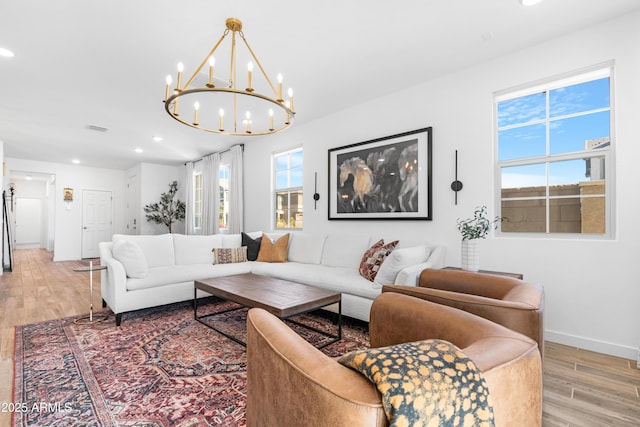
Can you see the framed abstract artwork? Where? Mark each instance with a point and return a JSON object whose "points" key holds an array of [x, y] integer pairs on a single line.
{"points": [[384, 178]]}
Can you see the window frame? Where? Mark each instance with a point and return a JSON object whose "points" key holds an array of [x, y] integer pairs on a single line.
{"points": [[289, 190], [595, 72]]}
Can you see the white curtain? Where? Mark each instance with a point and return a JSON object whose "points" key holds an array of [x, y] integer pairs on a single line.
{"points": [[210, 193], [188, 220], [236, 191]]}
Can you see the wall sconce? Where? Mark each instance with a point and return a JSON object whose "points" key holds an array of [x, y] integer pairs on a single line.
{"points": [[456, 185]]}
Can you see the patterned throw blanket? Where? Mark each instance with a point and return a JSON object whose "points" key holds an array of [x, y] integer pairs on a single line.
{"points": [[426, 383]]}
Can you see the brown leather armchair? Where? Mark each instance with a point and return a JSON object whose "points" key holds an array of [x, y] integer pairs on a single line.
{"points": [[513, 303], [290, 382]]}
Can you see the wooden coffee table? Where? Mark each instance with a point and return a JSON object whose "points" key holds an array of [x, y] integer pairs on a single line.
{"points": [[281, 298]]}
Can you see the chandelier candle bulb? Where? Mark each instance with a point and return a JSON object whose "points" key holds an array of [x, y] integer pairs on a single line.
{"points": [[290, 92], [221, 112], [196, 108], [248, 122], [212, 62], [279, 88], [180, 70], [250, 71], [270, 118], [169, 80]]}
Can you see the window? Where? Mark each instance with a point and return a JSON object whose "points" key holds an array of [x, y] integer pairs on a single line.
{"points": [[197, 200], [554, 160], [223, 186], [223, 182], [288, 189]]}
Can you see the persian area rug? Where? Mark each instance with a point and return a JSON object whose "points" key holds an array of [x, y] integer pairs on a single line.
{"points": [[160, 368]]}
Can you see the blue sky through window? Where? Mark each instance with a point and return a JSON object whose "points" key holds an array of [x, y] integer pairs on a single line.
{"points": [[577, 113]]}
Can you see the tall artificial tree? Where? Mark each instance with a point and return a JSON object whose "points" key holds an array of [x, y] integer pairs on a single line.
{"points": [[167, 210]]}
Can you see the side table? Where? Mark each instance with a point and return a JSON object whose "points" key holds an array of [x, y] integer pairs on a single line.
{"points": [[499, 273], [90, 318]]}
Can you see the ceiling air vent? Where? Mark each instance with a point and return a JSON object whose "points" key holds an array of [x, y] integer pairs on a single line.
{"points": [[97, 128]]}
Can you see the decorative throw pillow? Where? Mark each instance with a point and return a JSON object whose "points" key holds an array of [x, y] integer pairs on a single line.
{"points": [[271, 251], [374, 257], [397, 261], [429, 382], [229, 255], [253, 246], [130, 254]]}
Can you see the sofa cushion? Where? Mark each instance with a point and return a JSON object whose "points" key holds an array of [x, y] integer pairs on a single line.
{"points": [[273, 251], [195, 249], [374, 257], [253, 246], [158, 249], [306, 248], [132, 258], [343, 250], [429, 382], [162, 276], [229, 255], [398, 260]]}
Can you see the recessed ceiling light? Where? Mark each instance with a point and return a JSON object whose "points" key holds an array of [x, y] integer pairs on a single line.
{"points": [[75, 161], [138, 150], [529, 2], [6, 53], [157, 138]]}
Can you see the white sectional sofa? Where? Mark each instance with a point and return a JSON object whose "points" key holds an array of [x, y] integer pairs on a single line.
{"points": [[161, 269]]}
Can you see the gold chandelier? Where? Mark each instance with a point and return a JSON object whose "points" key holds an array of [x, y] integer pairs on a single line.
{"points": [[213, 104]]}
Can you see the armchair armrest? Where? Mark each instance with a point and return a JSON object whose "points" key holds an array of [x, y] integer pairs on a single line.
{"points": [[290, 382]]}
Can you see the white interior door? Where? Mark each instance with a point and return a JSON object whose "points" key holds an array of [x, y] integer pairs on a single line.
{"points": [[96, 221], [28, 222]]}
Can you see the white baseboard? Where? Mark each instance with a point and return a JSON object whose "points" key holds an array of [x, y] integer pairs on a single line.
{"points": [[605, 347]]}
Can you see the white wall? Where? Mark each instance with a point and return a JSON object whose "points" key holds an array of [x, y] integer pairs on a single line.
{"points": [[68, 223], [592, 286]]}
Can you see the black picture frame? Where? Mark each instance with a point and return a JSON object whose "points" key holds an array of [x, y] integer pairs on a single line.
{"points": [[387, 178]]}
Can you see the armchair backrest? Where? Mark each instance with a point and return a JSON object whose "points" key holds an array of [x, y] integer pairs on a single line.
{"points": [[510, 362]]}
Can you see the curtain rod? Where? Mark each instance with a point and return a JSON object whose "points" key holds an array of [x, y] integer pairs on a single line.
{"points": [[215, 152]]}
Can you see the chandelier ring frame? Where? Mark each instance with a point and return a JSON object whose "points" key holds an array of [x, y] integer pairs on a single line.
{"points": [[169, 102]]}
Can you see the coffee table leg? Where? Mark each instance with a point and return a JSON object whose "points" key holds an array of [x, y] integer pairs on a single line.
{"points": [[195, 302], [340, 320]]}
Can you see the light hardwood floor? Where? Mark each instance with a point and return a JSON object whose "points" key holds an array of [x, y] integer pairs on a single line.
{"points": [[581, 388]]}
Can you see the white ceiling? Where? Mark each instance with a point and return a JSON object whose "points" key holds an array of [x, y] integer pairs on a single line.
{"points": [[103, 63]]}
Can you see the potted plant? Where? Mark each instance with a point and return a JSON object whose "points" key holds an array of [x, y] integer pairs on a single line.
{"points": [[472, 229], [166, 211]]}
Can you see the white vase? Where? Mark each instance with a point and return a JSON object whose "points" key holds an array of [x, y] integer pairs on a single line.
{"points": [[471, 255]]}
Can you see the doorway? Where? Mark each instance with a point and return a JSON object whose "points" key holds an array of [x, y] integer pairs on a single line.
{"points": [[31, 214], [28, 223]]}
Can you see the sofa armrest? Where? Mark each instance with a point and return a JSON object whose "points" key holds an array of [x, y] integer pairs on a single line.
{"points": [[113, 280], [410, 276], [318, 391]]}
